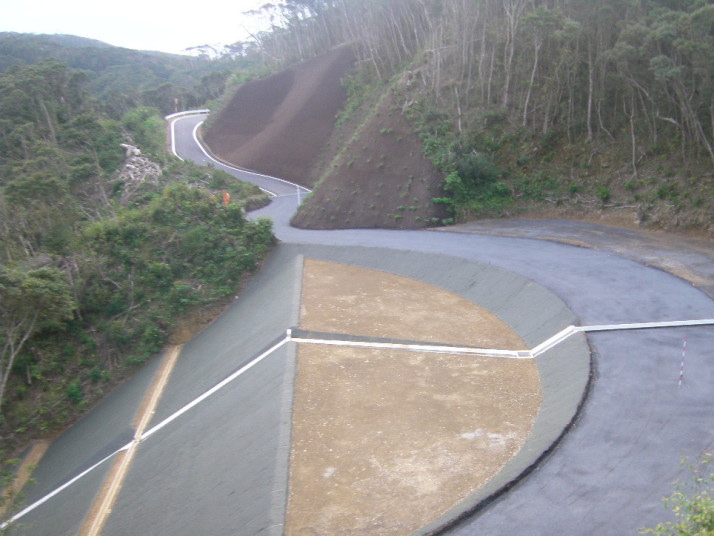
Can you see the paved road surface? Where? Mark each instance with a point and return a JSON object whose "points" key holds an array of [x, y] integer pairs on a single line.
{"points": [[607, 476], [185, 146]]}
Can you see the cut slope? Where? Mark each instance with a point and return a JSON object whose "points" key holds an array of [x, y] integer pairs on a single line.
{"points": [[377, 177], [279, 124]]}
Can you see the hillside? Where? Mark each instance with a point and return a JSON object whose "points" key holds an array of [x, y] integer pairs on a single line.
{"points": [[277, 125], [373, 173], [598, 110], [122, 78], [107, 250], [369, 172]]}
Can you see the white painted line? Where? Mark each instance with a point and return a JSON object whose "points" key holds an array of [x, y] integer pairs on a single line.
{"points": [[483, 352], [648, 325], [136, 441], [570, 330], [523, 354], [177, 116], [220, 385], [553, 341], [64, 486], [203, 150], [187, 112], [172, 118], [173, 140]]}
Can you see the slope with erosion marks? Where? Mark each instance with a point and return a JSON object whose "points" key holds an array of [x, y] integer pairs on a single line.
{"points": [[368, 173], [277, 125], [373, 174]]}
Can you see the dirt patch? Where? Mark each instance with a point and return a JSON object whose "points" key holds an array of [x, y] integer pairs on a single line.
{"points": [[385, 441], [278, 125], [29, 462], [193, 322], [374, 175], [347, 299]]}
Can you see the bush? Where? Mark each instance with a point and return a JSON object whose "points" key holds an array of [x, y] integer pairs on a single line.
{"points": [[603, 193], [692, 503], [74, 392]]}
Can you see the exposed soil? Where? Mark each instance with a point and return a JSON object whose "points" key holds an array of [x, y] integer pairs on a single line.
{"points": [[368, 173], [373, 174], [384, 441], [279, 124], [359, 301]]}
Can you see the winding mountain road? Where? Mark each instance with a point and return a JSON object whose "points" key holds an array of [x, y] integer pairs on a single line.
{"points": [[610, 472], [214, 458], [185, 144]]}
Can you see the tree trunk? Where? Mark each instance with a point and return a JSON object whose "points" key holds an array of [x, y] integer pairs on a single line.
{"points": [[633, 137], [536, 50], [11, 350], [589, 118]]}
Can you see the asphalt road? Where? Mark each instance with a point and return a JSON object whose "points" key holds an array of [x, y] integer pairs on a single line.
{"points": [[610, 473], [220, 469], [185, 146]]}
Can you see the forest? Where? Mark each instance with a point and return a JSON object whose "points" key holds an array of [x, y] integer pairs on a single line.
{"points": [[99, 264], [565, 107], [577, 106], [122, 79]]}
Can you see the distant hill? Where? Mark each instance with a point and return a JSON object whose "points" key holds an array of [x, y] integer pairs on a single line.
{"points": [[77, 52], [122, 77], [72, 40]]}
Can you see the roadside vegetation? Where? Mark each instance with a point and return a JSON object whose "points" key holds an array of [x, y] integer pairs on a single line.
{"points": [[577, 108], [106, 245], [457, 110], [691, 502]]}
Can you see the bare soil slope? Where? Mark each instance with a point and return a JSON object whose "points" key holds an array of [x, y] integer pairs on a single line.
{"points": [[368, 173], [373, 174], [278, 125]]}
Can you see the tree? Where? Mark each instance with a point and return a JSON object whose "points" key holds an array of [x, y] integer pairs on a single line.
{"points": [[692, 503], [29, 302]]}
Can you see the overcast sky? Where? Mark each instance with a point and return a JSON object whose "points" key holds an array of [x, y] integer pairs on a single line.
{"points": [[167, 26]]}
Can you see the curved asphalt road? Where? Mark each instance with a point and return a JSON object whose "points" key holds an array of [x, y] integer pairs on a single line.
{"points": [[218, 469], [185, 145], [609, 474]]}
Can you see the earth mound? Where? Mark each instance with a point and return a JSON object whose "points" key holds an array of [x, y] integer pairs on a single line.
{"points": [[369, 172], [278, 125], [373, 174]]}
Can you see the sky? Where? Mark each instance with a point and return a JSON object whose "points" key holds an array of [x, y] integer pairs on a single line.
{"points": [[163, 25]]}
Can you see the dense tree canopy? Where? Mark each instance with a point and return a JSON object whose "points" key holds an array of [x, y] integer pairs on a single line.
{"points": [[97, 264], [121, 78], [630, 79]]}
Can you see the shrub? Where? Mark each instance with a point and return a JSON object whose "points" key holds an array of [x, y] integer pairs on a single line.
{"points": [[603, 193], [692, 503]]}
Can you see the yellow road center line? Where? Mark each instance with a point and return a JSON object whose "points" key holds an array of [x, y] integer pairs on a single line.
{"points": [[103, 504]]}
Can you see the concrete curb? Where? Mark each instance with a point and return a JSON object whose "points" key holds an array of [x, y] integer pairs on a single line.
{"points": [[282, 465], [565, 369]]}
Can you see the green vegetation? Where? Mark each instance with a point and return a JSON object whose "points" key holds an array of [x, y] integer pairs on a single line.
{"points": [[569, 100], [183, 249], [122, 79], [580, 104], [692, 503], [99, 263]]}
